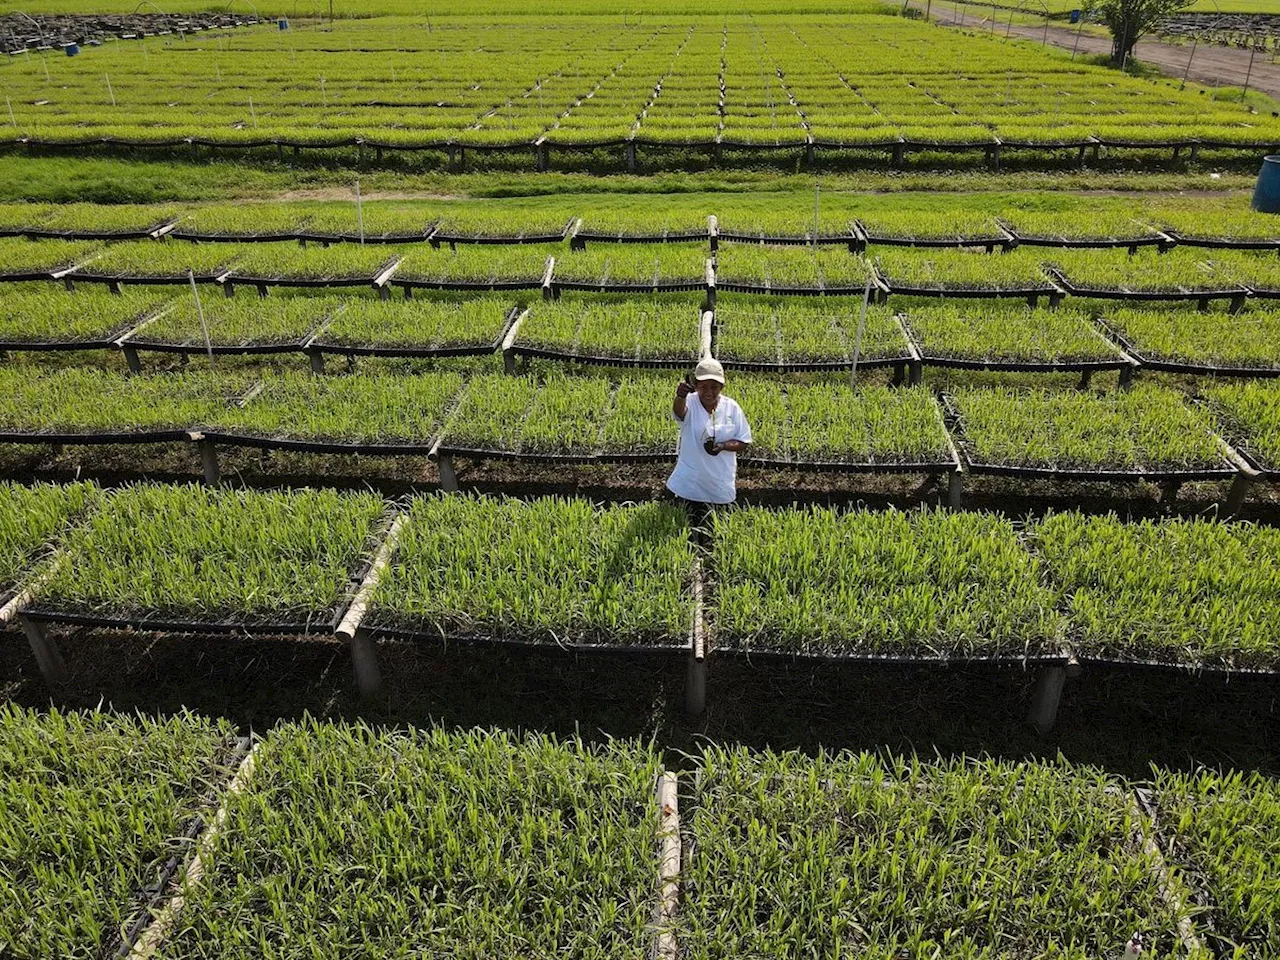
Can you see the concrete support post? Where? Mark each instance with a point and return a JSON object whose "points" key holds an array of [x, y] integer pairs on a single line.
{"points": [[48, 657], [364, 660], [1044, 702], [448, 475]]}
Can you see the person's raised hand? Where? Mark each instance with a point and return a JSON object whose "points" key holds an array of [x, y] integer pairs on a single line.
{"points": [[683, 388]]}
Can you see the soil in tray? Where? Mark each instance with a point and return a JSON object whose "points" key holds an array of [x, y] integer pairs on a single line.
{"points": [[140, 461]]}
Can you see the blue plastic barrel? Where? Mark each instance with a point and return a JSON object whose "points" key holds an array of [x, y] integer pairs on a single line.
{"points": [[73, 49], [1266, 195], [282, 23], [1075, 16]]}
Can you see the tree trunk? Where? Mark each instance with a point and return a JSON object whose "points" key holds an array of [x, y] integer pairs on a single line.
{"points": [[1123, 40]]}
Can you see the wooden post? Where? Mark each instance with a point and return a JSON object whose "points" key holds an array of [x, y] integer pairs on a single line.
{"points": [[695, 684], [669, 855], [915, 373], [631, 156], [52, 667], [1047, 697], [364, 662], [448, 475], [1245, 476], [209, 461], [1239, 491], [548, 279], [364, 657], [131, 358], [317, 361], [955, 489]]}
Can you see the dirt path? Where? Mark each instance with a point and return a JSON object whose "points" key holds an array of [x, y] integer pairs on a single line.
{"points": [[1212, 65]]}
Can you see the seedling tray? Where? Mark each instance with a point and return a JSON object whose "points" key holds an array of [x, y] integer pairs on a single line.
{"points": [[1145, 144], [137, 233], [1182, 366], [48, 273], [1223, 243], [813, 366], [954, 146], [789, 240], [1264, 293], [667, 236], [263, 442], [435, 633], [1108, 362], [736, 286], [899, 659], [865, 468], [419, 236], [970, 293], [154, 280], [1027, 366], [369, 350], [409, 283], [437, 237], [156, 622], [95, 438], [1162, 240], [860, 145], [569, 356], [1197, 669], [1100, 474], [609, 287], [1121, 293], [195, 236], [990, 241], [477, 453], [306, 282], [55, 345], [218, 349]]}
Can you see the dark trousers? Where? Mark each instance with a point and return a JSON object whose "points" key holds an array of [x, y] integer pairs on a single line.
{"points": [[699, 515]]}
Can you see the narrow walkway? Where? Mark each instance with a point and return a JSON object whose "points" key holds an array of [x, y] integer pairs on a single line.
{"points": [[1223, 66]]}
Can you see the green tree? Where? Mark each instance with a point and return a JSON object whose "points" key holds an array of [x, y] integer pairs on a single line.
{"points": [[1130, 19]]}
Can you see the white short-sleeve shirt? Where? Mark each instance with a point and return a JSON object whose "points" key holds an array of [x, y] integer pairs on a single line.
{"points": [[698, 475]]}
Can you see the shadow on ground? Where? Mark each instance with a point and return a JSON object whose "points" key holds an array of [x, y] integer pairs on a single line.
{"points": [[1118, 719]]}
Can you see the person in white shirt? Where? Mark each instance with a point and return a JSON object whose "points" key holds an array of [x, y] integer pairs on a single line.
{"points": [[713, 431]]}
